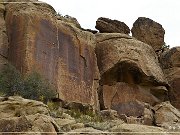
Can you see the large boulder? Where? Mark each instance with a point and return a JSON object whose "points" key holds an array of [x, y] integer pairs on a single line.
{"points": [[167, 116], [106, 25], [130, 72], [60, 51], [18, 106], [23, 115], [32, 123], [170, 62], [149, 32]]}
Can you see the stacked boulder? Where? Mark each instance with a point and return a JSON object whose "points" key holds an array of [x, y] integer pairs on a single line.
{"points": [[106, 25], [149, 32], [130, 74]]}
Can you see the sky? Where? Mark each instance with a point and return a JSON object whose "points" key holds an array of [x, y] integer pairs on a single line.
{"points": [[165, 12]]}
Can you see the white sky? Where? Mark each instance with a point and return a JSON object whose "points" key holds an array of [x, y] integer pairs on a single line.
{"points": [[165, 12]]}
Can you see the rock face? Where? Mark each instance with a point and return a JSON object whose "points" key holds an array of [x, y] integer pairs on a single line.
{"points": [[106, 25], [149, 31], [23, 115], [170, 61], [87, 68], [3, 38], [130, 72], [57, 49], [167, 116]]}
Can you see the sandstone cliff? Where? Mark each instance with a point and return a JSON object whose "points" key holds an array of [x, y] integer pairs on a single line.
{"points": [[107, 72], [58, 50]]}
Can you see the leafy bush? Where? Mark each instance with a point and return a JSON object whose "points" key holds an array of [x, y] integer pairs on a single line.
{"points": [[32, 86], [11, 82], [37, 88]]}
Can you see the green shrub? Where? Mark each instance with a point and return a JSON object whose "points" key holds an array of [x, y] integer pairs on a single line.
{"points": [[32, 86], [11, 82], [37, 88]]}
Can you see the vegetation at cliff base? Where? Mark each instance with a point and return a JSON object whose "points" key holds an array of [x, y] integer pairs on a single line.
{"points": [[31, 86]]}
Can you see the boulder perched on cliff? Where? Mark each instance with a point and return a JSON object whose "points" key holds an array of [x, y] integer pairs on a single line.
{"points": [[149, 32], [170, 62], [63, 53], [129, 71], [106, 25]]}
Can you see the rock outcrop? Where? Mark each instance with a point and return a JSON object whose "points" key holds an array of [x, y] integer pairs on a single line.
{"points": [[106, 25], [110, 72], [3, 38], [149, 32], [167, 116], [170, 62], [69, 19], [23, 115], [129, 72], [55, 48]]}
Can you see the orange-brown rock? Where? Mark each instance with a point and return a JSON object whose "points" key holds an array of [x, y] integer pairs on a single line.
{"points": [[70, 20], [170, 61], [149, 32], [167, 116], [23, 115], [129, 71], [106, 25], [60, 51], [3, 38]]}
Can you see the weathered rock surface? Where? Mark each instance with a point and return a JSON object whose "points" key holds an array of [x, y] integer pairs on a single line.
{"points": [[170, 62], [58, 50], [170, 58], [149, 31], [31, 123], [130, 129], [18, 106], [3, 38], [23, 115], [85, 131], [106, 25], [69, 19], [65, 124], [167, 116], [130, 72], [31, 119], [122, 49]]}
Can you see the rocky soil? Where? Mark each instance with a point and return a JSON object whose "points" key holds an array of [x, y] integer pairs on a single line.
{"points": [[25, 116]]}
